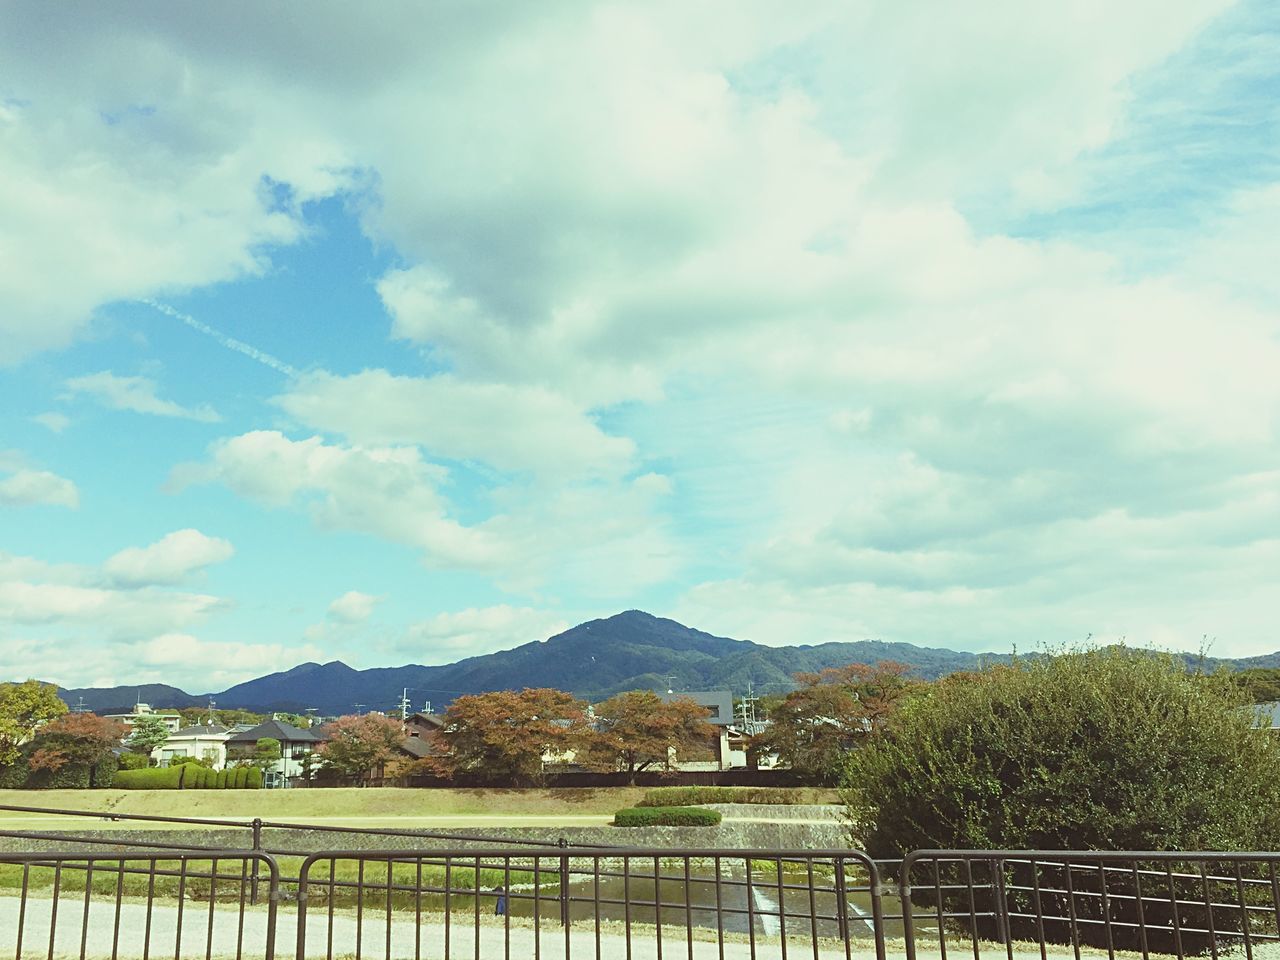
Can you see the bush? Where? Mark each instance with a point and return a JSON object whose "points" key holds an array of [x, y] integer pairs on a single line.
{"points": [[666, 817], [151, 778], [687, 796], [133, 761], [1107, 749], [239, 777], [188, 761], [103, 773], [69, 776], [13, 776], [252, 778]]}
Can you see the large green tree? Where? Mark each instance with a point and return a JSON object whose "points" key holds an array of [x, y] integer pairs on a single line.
{"points": [[1106, 749], [24, 708], [832, 712], [147, 733], [637, 731]]}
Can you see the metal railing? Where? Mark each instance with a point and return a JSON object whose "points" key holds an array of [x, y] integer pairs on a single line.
{"points": [[138, 904]]}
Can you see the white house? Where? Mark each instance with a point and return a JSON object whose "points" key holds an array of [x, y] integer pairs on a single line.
{"points": [[172, 721], [206, 742]]}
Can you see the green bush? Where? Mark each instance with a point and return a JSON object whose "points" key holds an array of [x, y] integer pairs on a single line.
{"points": [[688, 796], [252, 778], [239, 777], [13, 776], [225, 780], [103, 773], [70, 776], [1108, 749], [151, 778], [666, 817], [134, 761]]}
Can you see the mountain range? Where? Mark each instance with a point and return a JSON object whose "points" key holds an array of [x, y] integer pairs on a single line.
{"points": [[630, 651]]}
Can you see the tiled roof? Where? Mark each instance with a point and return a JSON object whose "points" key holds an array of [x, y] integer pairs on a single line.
{"points": [[276, 730]]}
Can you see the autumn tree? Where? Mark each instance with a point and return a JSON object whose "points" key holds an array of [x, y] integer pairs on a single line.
{"points": [[75, 738], [832, 712], [639, 730], [359, 743], [147, 733], [24, 707], [505, 735]]}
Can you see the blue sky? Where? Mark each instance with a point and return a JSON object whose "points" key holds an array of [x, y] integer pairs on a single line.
{"points": [[410, 337]]}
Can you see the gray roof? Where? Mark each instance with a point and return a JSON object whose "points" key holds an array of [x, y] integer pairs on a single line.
{"points": [[276, 730], [719, 701], [1269, 715], [200, 730]]}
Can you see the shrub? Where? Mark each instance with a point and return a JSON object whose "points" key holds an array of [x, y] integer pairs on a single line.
{"points": [[189, 761], [133, 761], [224, 780], [103, 773], [239, 777], [666, 817], [69, 776], [252, 778], [687, 796], [151, 778], [1088, 750], [13, 776]]}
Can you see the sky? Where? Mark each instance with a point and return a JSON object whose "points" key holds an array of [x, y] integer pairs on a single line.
{"points": [[405, 333]]}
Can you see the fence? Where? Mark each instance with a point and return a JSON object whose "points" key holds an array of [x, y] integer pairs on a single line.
{"points": [[532, 900]]}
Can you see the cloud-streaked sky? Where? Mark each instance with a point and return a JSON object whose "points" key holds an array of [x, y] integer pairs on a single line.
{"points": [[409, 333]]}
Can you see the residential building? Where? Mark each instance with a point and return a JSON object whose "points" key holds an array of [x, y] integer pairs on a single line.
{"points": [[204, 742], [295, 746], [719, 704], [172, 721]]}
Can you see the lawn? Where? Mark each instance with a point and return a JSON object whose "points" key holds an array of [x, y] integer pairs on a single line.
{"points": [[385, 804]]}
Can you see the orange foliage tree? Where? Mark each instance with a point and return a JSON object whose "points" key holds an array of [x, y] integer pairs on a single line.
{"points": [[505, 736], [357, 744], [638, 730], [832, 712], [78, 738]]}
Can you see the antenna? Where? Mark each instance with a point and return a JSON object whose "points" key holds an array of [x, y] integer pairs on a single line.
{"points": [[359, 707], [671, 683], [80, 707], [426, 706]]}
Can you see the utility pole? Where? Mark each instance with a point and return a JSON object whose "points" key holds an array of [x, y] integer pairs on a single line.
{"points": [[404, 709], [671, 683], [359, 708]]}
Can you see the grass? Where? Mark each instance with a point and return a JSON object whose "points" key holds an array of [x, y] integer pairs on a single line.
{"points": [[385, 804]]}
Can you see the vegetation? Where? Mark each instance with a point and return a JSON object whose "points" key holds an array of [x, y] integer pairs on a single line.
{"points": [[187, 776], [832, 712], [1260, 685], [24, 707], [358, 744], [75, 750], [266, 753], [1097, 749], [147, 733], [685, 796], [666, 817], [637, 730], [505, 736]]}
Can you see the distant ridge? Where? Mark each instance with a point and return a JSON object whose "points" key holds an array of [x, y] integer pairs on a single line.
{"points": [[628, 651]]}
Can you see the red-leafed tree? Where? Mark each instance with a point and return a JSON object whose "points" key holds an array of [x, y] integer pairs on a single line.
{"points": [[832, 712], [75, 738], [505, 736], [638, 730], [357, 744]]}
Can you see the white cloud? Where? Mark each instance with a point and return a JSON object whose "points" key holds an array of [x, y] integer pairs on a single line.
{"points": [[477, 630], [31, 487], [354, 607], [136, 394], [171, 559], [511, 428], [54, 421]]}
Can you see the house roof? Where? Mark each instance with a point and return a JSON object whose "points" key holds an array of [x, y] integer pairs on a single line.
{"points": [[720, 702], [417, 747], [276, 730], [201, 730], [430, 719], [1269, 715]]}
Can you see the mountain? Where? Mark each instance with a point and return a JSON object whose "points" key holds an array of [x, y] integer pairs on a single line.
{"points": [[122, 699], [629, 651]]}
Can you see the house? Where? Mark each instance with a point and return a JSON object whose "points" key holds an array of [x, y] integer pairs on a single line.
{"points": [[204, 742], [172, 721], [423, 726], [295, 746], [719, 704]]}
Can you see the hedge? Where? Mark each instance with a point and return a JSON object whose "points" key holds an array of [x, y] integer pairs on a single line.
{"points": [[666, 817], [151, 778], [687, 796]]}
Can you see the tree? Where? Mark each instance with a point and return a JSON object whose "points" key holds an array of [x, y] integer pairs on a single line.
{"points": [[82, 740], [24, 707], [1107, 749], [1260, 684], [505, 735], [359, 743], [638, 730], [266, 753], [147, 733], [832, 712]]}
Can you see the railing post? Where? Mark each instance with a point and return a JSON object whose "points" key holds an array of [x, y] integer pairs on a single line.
{"points": [[564, 884], [842, 900], [1001, 901], [257, 848]]}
